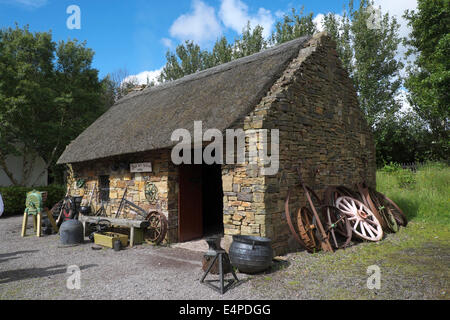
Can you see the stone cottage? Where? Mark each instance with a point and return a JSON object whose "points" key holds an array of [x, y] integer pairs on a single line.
{"points": [[299, 88]]}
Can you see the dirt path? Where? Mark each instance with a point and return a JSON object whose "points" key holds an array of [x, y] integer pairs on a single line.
{"points": [[32, 268]]}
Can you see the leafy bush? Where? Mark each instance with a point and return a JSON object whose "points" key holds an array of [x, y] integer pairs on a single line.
{"points": [[391, 167], [14, 197], [406, 178]]}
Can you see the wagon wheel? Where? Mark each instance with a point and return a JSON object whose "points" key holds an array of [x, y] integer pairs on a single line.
{"points": [[335, 222], [289, 222], [156, 231], [151, 192], [374, 205], [393, 208], [364, 223], [347, 192], [307, 229], [56, 209], [321, 224], [330, 197], [385, 211]]}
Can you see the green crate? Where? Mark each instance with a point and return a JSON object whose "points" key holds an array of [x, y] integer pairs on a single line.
{"points": [[138, 236], [107, 239]]}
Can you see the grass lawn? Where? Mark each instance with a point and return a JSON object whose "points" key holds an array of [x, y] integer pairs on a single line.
{"points": [[414, 263]]}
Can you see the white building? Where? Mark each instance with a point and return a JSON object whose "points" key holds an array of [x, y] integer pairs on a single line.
{"points": [[37, 177]]}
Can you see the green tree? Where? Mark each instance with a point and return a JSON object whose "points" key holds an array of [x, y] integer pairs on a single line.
{"points": [[49, 94], [117, 85], [187, 59], [402, 138], [293, 26], [339, 29], [428, 78], [222, 52], [190, 58], [369, 54], [250, 42]]}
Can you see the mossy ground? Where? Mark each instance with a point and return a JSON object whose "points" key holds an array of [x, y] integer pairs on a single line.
{"points": [[414, 263]]}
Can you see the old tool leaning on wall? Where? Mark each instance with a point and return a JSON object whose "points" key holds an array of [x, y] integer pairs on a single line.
{"points": [[321, 234], [157, 230], [311, 232]]}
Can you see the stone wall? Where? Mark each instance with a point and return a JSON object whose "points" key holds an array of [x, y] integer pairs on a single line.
{"points": [[163, 176], [315, 107]]}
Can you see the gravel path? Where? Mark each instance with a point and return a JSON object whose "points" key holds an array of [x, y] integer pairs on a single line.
{"points": [[36, 268]]}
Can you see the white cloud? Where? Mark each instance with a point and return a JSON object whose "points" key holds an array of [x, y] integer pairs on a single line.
{"points": [[318, 20], [143, 77], [280, 14], [201, 25], [235, 15], [167, 42], [32, 4], [397, 8]]}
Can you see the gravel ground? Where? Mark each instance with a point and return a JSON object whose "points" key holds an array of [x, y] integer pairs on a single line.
{"points": [[36, 268]]}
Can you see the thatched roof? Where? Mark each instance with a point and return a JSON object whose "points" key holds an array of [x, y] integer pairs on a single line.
{"points": [[219, 96]]}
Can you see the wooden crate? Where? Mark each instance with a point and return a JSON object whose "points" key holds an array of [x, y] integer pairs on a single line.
{"points": [[107, 239], [138, 233]]}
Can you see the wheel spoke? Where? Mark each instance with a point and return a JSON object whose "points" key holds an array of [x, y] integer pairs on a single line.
{"points": [[370, 227], [363, 230], [372, 222], [366, 226]]}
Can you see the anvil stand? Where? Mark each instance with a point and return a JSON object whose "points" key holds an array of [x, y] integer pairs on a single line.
{"points": [[218, 253]]}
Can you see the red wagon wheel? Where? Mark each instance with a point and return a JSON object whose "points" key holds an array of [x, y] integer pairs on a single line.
{"points": [[340, 220], [289, 221], [373, 205], [364, 223], [157, 230], [307, 229]]}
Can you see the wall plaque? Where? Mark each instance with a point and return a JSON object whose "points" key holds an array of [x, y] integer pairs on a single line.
{"points": [[141, 167]]}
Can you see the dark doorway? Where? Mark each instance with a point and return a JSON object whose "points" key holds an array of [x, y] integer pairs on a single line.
{"points": [[212, 199], [200, 201]]}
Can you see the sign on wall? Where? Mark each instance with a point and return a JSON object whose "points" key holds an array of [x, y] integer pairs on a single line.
{"points": [[141, 167]]}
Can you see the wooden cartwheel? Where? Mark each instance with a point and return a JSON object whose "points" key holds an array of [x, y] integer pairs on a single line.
{"points": [[157, 230], [294, 232], [306, 225], [394, 209], [364, 223]]}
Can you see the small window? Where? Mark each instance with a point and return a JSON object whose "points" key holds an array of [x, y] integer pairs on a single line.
{"points": [[104, 188]]}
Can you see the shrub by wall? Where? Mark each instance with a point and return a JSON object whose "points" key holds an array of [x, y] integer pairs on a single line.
{"points": [[14, 197]]}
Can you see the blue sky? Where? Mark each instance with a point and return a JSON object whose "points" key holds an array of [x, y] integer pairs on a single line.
{"points": [[136, 34]]}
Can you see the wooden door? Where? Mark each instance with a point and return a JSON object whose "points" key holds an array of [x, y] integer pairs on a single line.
{"points": [[190, 217]]}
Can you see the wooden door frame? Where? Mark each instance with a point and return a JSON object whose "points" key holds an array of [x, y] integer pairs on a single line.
{"points": [[179, 202]]}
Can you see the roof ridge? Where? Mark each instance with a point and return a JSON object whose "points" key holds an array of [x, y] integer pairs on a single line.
{"points": [[217, 69]]}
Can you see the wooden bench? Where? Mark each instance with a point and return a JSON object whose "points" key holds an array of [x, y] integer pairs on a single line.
{"points": [[132, 224]]}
